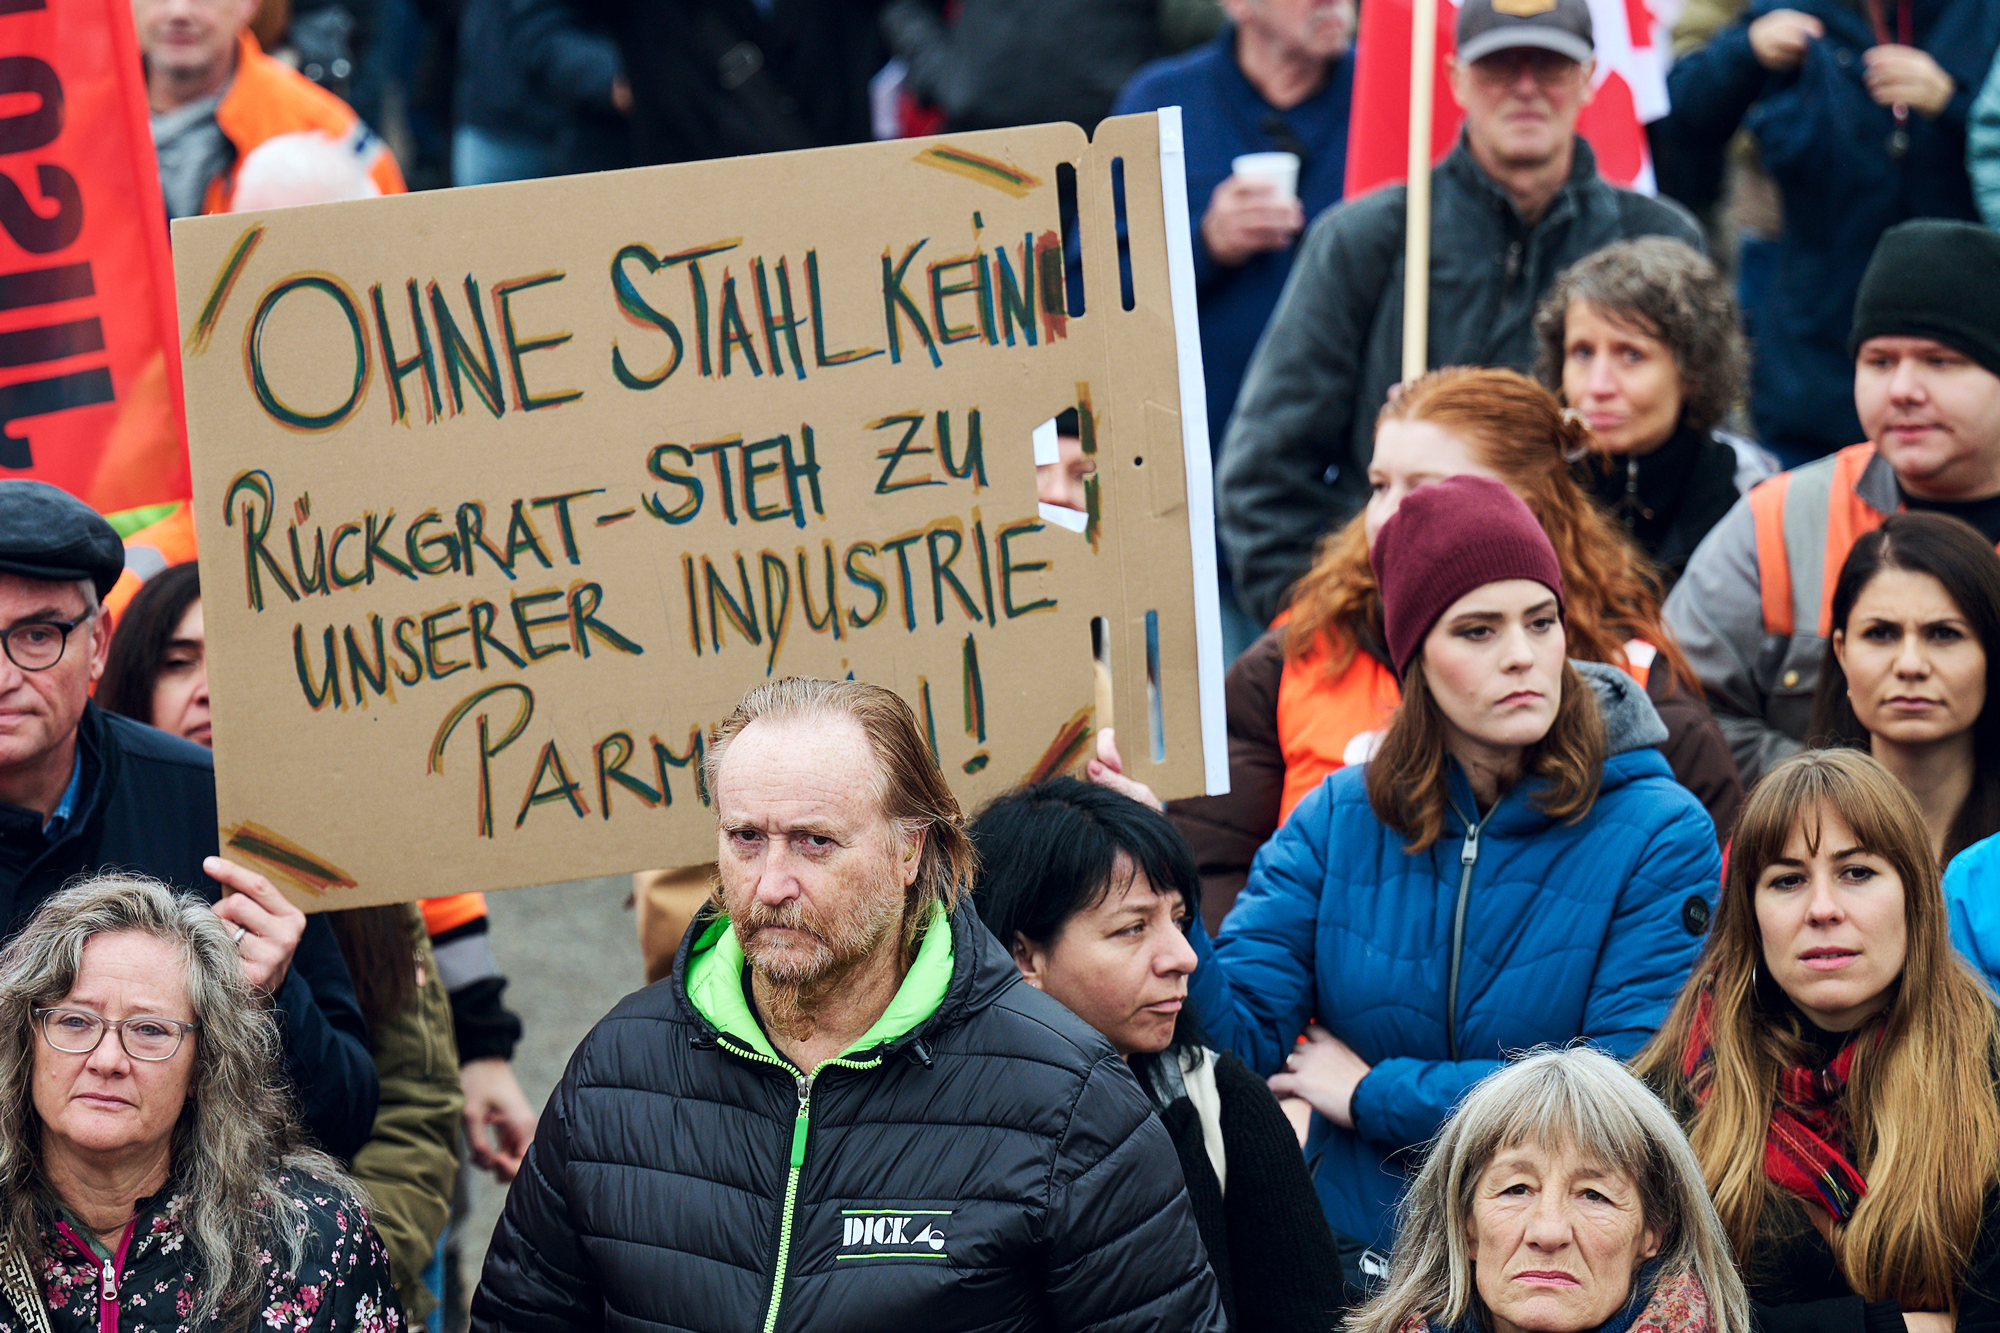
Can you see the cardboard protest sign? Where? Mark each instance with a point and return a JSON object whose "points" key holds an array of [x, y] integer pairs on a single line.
{"points": [[507, 495]]}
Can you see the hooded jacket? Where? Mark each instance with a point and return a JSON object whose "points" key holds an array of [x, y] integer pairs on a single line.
{"points": [[979, 1159], [1564, 930]]}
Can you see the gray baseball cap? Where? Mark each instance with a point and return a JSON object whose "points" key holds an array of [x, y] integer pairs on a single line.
{"points": [[1562, 26]]}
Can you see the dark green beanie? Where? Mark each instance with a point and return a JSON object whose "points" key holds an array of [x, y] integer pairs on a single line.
{"points": [[1934, 279]]}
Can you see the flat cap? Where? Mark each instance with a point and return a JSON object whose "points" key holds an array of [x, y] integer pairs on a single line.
{"points": [[47, 533]]}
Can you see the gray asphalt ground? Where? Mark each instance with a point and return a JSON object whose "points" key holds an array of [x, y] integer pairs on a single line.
{"points": [[570, 952]]}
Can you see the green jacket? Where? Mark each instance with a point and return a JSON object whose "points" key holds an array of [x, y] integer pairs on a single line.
{"points": [[411, 1159]]}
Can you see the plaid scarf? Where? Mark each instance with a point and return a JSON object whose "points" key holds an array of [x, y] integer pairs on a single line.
{"points": [[1806, 1148]]}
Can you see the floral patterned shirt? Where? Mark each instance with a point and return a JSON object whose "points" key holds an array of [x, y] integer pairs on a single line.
{"points": [[343, 1285]]}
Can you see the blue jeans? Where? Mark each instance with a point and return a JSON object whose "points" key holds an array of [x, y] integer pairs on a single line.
{"points": [[481, 157]]}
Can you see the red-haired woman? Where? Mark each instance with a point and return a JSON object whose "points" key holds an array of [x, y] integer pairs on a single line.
{"points": [[1833, 1062], [1314, 693]]}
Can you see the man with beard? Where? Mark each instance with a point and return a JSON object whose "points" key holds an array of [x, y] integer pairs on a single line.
{"points": [[844, 1110]]}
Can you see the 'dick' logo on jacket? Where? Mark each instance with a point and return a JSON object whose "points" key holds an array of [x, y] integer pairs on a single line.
{"points": [[910, 1233]]}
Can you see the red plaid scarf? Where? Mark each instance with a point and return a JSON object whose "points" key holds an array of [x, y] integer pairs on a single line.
{"points": [[1805, 1146]]}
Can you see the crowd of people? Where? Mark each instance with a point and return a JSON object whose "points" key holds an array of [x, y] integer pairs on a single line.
{"points": [[1601, 929]]}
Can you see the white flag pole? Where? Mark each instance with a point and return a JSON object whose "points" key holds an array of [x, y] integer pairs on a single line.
{"points": [[1417, 221]]}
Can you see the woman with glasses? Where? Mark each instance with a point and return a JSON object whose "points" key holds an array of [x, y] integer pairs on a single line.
{"points": [[151, 1171]]}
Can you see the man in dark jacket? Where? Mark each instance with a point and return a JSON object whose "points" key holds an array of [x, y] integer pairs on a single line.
{"points": [[844, 1110], [83, 791], [1517, 201]]}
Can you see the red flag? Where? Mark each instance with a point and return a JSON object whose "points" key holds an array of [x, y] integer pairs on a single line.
{"points": [[86, 282], [1630, 89]]}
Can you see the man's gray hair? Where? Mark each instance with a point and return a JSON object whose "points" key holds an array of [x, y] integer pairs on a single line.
{"points": [[1576, 1098], [908, 785], [236, 1134]]}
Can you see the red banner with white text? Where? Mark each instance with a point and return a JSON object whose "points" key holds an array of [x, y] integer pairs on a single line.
{"points": [[88, 401], [1629, 89]]}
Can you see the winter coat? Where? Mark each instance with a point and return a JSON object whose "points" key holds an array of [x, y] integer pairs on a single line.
{"points": [[146, 802], [1669, 499], [1982, 148], [1295, 460], [1827, 144], [410, 1162], [1972, 895], [1268, 750], [343, 1286], [1760, 672], [980, 1159], [1275, 1260], [1223, 115], [1569, 929]]}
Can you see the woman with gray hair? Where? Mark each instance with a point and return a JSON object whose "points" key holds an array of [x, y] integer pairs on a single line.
{"points": [[1641, 341], [1561, 1196], [151, 1172]]}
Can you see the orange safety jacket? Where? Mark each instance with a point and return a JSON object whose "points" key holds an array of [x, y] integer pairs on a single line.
{"points": [[452, 911], [267, 98], [1327, 722], [1813, 534]]}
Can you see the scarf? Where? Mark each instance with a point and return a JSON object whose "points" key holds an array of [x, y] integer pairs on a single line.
{"points": [[1671, 1304], [1806, 1148]]}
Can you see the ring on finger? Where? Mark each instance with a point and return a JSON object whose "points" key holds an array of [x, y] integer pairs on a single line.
{"points": [[237, 938]]}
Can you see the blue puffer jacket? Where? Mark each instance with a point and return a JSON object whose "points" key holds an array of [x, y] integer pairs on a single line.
{"points": [[1582, 929], [1972, 895]]}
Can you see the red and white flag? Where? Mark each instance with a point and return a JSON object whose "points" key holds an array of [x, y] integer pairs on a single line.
{"points": [[1629, 89]]}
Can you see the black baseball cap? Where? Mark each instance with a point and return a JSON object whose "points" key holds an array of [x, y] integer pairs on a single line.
{"points": [[47, 533], [1562, 26]]}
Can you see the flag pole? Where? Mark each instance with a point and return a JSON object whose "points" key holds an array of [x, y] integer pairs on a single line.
{"points": [[1417, 220]]}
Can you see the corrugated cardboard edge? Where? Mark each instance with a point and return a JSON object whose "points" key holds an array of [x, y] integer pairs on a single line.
{"points": [[1195, 453]]}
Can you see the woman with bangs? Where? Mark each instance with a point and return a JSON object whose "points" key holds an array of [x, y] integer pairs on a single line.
{"points": [[1315, 693], [1833, 1061]]}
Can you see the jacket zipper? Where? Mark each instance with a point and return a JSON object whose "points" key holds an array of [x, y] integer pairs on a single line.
{"points": [[801, 1127], [107, 1273], [1468, 857]]}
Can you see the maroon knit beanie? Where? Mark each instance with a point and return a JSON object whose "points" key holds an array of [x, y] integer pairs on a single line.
{"points": [[1446, 539]]}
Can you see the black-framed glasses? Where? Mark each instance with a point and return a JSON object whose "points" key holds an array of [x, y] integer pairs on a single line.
{"points": [[76, 1032], [37, 645]]}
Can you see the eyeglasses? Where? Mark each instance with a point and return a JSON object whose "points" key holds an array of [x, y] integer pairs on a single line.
{"points": [[74, 1032], [37, 645], [1503, 68]]}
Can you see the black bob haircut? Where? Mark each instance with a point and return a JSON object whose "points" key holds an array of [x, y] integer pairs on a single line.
{"points": [[139, 643], [1049, 851]]}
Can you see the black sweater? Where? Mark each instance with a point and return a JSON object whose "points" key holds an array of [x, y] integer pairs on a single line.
{"points": [[1670, 498], [1273, 1253]]}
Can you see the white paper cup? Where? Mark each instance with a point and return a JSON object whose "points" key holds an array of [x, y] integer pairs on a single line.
{"points": [[1280, 169]]}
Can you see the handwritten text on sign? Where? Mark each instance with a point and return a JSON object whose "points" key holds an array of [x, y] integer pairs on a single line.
{"points": [[507, 495]]}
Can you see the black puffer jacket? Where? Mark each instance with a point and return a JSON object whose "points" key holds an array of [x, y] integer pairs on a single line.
{"points": [[993, 1167]]}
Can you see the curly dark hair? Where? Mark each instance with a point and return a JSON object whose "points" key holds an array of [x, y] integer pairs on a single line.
{"points": [[1665, 289]]}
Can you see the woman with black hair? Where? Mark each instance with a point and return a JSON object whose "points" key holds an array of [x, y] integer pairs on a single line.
{"points": [[1093, 894], [1911, 666]]}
